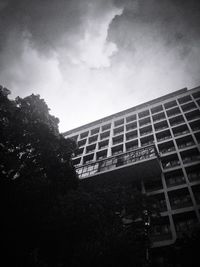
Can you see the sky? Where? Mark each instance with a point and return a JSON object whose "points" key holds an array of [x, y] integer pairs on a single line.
{"points": [[91, 58]]}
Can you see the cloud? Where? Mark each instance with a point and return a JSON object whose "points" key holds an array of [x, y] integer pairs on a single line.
{"points": [[91, 58], [95, 50]]}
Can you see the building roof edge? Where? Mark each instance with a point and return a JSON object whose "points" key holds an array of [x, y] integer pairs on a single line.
{"points": [[129, 110]]}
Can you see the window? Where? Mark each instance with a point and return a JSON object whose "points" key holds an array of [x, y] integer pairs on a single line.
{"points": [[118, 130], [145, 141], [180, 198], [131, 126], [159, 202], [184, 222], [176, 120], [161, 230], [82, 142], [193, 172], [170, 161], [146, 130], [118, 139], [184, 99], [84, 135], [131, 135], [131, 118], [173, 112], [170, 104], [79, 152], [158, 117], [117, 150], [185, 142], [160, 125], [190, 156], [94, 131], [143, 114], [195, 125], [93, 139], [90, 148], [197, 136], [156, 109], [164, 135], [88, 159], [174, 178], [180, 130], [166, 147], [188, 106], [192, 115], [104, 135], [144, 122], [76, 161], [119, 122], [103, 144], [131, 145], [106, 127], [196, 191], [102, 154], [196, 95]]}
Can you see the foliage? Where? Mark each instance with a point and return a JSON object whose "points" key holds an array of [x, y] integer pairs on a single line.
{"points": [[186, 248], [32, 150], [35, 169], [48, 220]]}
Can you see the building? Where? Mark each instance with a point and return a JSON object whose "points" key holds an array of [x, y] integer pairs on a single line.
{"points": [[155, 144]]}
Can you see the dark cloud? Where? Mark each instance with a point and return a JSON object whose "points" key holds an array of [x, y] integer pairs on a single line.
{"points": [[98, 52], [176, 22], [45, 21]]}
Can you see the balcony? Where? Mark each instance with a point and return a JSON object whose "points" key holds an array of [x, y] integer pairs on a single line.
{"points": [[161, 232], [171, 164], [194, 176], [174, 181], [191, 159], [185, 222], [195, 125], [161, 128], [167, 150], [141, 162], [185, 145], [164, 138], [180, 202], [181, 133], [145, 133]]}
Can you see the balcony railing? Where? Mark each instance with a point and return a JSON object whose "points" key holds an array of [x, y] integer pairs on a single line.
{"points": [[181, 133], [161, 128], [181, 202], [194, 176], [167, 150], [170, 164], [164, 138], [159, 119], [145, 133], [119, 161], [160, 237], [190, 159], [176, 180], [184, 145]]}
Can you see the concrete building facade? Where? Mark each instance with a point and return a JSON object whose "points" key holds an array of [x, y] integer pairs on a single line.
{"points": [[157, 145]]}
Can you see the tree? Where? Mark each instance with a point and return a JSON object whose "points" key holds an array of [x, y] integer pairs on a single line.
{"points": [[49, 219], [31, 145], [35, 169], [186, 248]]}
